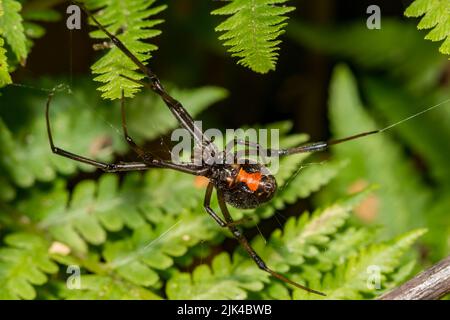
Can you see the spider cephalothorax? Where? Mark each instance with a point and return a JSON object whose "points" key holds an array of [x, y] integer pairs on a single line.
{"points": [[245, 186]]}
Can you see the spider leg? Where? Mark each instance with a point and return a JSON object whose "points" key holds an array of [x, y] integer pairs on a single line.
{"points": [[116, 167], [177, 109], [207, 206], [319, 146], [208, 147], [311, 147], [260, 151], [230, 224]]}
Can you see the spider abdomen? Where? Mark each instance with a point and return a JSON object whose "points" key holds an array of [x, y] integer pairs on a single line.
{"points": [[245, 186]]}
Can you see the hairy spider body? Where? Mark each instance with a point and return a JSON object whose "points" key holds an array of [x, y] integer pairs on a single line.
{"points": [[243, 186]]}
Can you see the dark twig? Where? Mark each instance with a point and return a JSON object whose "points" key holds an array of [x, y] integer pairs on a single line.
{"points": [[431, 284]]}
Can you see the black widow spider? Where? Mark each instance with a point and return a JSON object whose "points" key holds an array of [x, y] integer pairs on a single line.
{"points": [[244, 186]]}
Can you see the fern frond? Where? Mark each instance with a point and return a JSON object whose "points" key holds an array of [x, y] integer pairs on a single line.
{"points": [[137, 258], [24, 263], [95, 208], [253, 30], [350, 280], [344, 244], [402, 274], [95, 287], [18, 30], [301, 238], [4, 74], [223, 280], [12, 29], [10, 157], [436, 16], [129, 20], [349, 254]]}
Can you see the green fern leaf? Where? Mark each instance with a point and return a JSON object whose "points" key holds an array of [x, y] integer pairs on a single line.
{"points": [[136, 259], [252, 31], [129, 21], [95, 287], [24, 263], [344, 244], [301, 238], [223, 280], [350, 280], [9, 161], [401, 274], [349, 254], [436, 16], [12, 29], [274, 291], [236, 280], [4, 74], [95, 208]]}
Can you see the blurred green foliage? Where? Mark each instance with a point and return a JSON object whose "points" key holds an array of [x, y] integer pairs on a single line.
{"points": [[146, 235], [394, 87]]}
